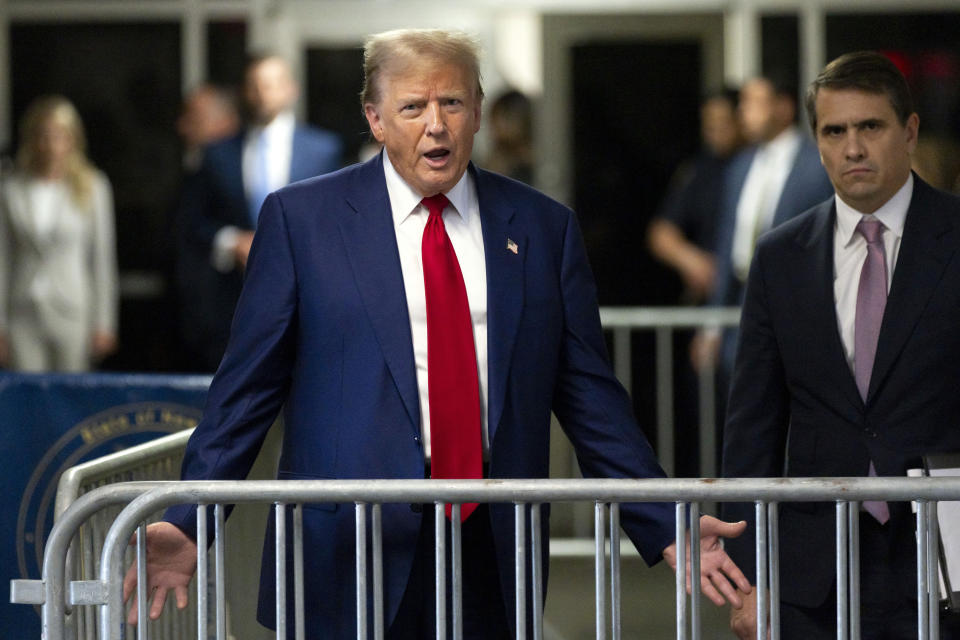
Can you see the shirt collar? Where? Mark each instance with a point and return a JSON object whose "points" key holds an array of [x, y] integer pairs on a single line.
{"points": [[404, 200], [784, 145], [283, 124], [893, 213]]}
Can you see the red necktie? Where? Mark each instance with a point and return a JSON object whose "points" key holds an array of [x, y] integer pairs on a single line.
{"points": [[453, 387]]}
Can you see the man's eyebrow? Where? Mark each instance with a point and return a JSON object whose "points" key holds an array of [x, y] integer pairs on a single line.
{"points": [[857, 124]]}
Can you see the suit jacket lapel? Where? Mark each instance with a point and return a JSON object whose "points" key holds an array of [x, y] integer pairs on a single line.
{"points": [[818, 246], [300, 166], [787, 203], [23, 217], [925, 250], [229, 169], [371, 245], [504, 288], [19, 211]]}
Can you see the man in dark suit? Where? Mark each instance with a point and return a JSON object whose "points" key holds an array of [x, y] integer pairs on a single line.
{"points": [[220, 207], [848, 352], [339, 324]]}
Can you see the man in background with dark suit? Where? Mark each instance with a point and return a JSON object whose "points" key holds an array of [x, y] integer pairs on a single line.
{"points": [[847, 363], [416, 316], [209, 114], [221, 207], [775, 179]]}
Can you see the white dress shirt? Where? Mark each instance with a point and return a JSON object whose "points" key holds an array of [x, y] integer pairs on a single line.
{"points": [[760, 194], [850, 251], [462, 221], [278, 136], [46, 199]]}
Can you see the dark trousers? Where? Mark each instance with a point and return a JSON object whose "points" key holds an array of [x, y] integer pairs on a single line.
{"points": [[484, 611], [888, 601], [896, 622]]}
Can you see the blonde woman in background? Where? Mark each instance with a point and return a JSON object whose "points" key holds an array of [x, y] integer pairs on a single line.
{"points": [[58, 271]]}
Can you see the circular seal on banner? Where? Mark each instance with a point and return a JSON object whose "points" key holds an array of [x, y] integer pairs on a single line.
{"points": [[100, 434]]}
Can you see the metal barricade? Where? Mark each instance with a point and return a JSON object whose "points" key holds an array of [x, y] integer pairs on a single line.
{"points": [[624, 326], [156, 460], [665, 322], [54, 592], [160, 459]]}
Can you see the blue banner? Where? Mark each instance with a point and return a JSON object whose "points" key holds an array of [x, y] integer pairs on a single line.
{"points": [[50, 423]]}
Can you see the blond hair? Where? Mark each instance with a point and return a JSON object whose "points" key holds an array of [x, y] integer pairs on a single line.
{"points": [[78, 172], [391, 52]]}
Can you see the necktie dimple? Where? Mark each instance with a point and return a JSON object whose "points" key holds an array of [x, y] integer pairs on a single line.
{"points": [[871, 301], [452, 381]]}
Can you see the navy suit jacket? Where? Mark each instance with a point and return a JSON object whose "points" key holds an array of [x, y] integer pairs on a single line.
{"points": [[322, 330], [216, 198], [807, 184], [794, 406]]}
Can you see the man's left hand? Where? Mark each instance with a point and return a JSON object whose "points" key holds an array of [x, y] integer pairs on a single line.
{"points": [[720, 577]]}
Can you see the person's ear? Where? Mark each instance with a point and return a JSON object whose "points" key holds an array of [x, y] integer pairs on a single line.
{"points": [[374, 120]]}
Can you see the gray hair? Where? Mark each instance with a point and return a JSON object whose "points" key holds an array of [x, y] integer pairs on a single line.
{"points": [[392, 51]]}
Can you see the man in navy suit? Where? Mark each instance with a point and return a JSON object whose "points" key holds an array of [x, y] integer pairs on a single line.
{"points": [[334, 325], [775, 179], [848, 352], [220, 206]]}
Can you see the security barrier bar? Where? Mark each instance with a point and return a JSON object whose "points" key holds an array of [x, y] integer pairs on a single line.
{"points": [[664, 322], [527, 496]]}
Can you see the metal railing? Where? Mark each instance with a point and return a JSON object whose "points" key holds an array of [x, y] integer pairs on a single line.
{"points": [[156, 460], [160, 459], [665, 322], [54, 592]]}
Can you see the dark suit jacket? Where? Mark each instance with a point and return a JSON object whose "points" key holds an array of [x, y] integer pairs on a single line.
{"points": [[806, 185], [794, 406], [322, 329], [214, 198]]}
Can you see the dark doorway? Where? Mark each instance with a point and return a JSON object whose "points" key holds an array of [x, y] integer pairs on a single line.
{"points": [[124, 79], [334, 78], [226, 52], [635, 117], [780, 47]]}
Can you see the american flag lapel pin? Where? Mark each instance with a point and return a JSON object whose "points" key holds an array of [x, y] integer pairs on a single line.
{"points": [[512, 246]]}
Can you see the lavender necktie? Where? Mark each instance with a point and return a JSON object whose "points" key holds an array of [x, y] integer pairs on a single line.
{"points": [[871, 301]]}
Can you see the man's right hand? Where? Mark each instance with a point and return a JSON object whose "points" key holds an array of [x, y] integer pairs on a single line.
{"points": [[743, 619], [705, 350], [699, 272], [171, 563]]}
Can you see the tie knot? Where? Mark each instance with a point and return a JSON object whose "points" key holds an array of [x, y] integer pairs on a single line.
{"points": [[435, 204], [871, 230]]}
